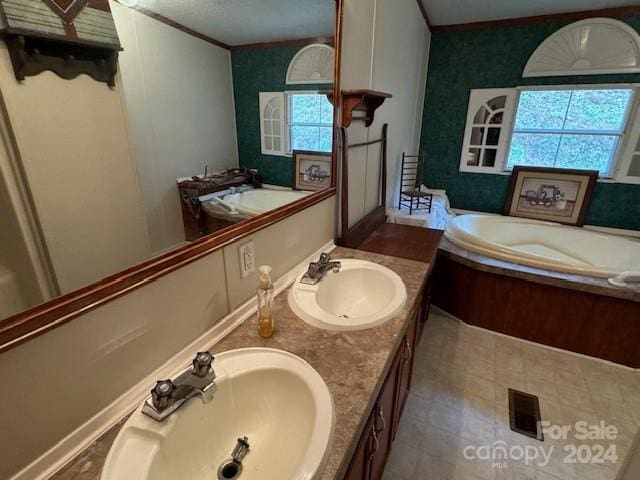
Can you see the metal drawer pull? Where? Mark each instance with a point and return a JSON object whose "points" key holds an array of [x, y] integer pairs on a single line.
{"points": [[409, 351], [376, 444], [380, 415]]}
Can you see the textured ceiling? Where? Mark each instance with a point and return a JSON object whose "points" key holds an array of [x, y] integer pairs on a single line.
{"points": [[451, 12], [241, 22]]}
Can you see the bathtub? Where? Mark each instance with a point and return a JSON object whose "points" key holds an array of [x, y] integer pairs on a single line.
{"points": [[546, 245], [261, 200]]}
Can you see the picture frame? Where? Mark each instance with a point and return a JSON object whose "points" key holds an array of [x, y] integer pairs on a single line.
{"points": [[551, 194], [312, 170]]}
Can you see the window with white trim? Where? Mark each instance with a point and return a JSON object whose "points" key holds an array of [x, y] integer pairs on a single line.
{"points": [[295, 121], [570, 128], [272, 123], [309, 122], [485, 139], [630, 166], [589, 127]]}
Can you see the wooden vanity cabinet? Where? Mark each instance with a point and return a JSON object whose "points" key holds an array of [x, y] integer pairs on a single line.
{"points": [[412, 243], [374, 446], [405, 365], [359, 468]]}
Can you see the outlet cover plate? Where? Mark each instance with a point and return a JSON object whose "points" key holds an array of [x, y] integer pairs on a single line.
{"points": [[247, 256]]}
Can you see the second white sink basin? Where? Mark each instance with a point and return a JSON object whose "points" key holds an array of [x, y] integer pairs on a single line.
{"points": [[275, 399], [361, 295]]}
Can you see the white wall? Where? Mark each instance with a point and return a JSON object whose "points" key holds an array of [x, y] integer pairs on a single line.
{"points": [[18, 282], [179, 96], [71, 138], [53, 384], [385, 48]]}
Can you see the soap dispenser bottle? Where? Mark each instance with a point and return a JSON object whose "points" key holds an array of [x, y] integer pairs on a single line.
{"points": [[265, 303]]}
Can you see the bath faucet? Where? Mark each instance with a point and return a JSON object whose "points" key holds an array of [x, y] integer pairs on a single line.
{"points": [[318, 269], [169, 395]]}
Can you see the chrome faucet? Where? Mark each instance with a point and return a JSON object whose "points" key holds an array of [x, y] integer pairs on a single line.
{"points": [[318, 269], [169, 395]]}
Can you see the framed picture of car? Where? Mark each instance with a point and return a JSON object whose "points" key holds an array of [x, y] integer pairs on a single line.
{"points": [[312, 170], [552, 194]]}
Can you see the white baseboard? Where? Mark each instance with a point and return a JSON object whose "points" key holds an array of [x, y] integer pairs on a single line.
{"points": [[78, 440]]}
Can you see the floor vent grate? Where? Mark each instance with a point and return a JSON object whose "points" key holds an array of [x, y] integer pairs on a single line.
{"points": [[524, 414]]}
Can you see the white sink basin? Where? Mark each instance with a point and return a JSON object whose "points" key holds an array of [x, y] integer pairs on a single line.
{"points": [[275, 399], [361, 295]]}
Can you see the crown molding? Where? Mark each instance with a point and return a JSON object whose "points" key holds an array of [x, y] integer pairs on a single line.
{"points": [[556, 17], [284, 43], [176, 25], [425, 14]]}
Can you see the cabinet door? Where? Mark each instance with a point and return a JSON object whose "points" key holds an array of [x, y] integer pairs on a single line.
{"points": [[383, 419], [405, 369], [360, 466], [424, 301]]}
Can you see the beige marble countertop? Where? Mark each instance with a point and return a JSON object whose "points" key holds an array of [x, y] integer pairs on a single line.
{"points": [[353, 364], [581, 283]]}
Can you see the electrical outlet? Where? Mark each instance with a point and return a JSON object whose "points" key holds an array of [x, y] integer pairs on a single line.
{"points": [[247, 259]]}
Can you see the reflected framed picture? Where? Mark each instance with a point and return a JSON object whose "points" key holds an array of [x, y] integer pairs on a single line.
{"points": [[552, 194], [312, 170]]}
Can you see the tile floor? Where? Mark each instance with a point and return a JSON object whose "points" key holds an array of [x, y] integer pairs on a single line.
{"points": [[459, 402]]}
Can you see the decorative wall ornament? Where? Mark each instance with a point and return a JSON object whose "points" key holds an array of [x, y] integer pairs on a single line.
{"points": [[311, 65], [552, 194], [68, 37], [588, 47], [312, 170]]}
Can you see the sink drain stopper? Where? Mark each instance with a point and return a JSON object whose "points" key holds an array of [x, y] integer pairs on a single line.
{"points": [[229, 470], [232, 468]]}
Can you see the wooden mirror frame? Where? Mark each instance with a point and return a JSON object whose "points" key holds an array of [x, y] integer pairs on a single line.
{"points": [[42, 318]]}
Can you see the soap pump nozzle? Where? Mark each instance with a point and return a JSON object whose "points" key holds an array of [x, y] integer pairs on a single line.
{"points": [[265, 277], [266, 324]]}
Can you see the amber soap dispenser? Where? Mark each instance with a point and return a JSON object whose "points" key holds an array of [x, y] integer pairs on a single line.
{"points": [[266, 325]]}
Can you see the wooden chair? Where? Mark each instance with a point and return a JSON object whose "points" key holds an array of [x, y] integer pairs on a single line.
{"points": [[411, 196]]}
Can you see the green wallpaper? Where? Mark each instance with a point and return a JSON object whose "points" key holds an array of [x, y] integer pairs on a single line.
{"points": [[254, 71], [495, 58]]}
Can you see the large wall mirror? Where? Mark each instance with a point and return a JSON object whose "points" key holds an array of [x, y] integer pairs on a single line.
{"points": [[229, 125]]}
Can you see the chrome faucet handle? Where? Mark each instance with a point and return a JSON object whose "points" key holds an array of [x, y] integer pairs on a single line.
{"points": [[161, 394], [314, 268], [324, 258], [202, 364]]}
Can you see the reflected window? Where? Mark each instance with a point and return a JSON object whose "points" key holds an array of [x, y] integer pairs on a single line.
{"points": [[310, 122]]}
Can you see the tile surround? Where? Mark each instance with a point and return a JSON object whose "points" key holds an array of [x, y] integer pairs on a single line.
{"points": [[459, 398]]}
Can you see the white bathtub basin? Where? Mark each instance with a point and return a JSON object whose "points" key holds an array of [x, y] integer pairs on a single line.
{"points": [[545, 245], [361, 295], [261, 200], [275, 399]]}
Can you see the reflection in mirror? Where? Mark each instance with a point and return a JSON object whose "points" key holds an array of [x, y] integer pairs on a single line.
{"points": [[226, 120]]}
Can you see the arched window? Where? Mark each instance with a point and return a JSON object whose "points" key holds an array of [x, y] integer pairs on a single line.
{"points": [[311, 65], [489, 115], [272, 122]]}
